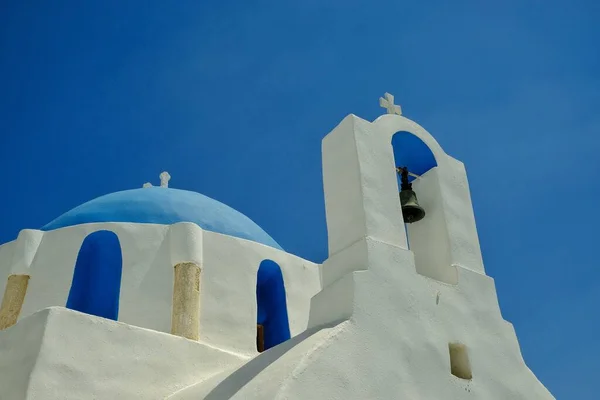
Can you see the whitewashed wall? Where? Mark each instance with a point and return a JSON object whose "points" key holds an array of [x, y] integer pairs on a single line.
{"points": [[380, 317], [228, 281]]}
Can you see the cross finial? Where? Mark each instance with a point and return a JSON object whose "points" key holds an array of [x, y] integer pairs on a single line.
{"points": [[388, 104], [164, 179]]}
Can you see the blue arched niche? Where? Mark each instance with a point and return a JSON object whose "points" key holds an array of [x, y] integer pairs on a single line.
{"points": [[96, 284], [411, 152], [271, 304]]}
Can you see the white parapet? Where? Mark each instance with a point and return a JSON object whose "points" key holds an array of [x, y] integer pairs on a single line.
{"points": [[359, 181], [59, 353]]}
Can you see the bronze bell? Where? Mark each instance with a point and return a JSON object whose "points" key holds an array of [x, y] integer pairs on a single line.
{"points": [[411, 210]]}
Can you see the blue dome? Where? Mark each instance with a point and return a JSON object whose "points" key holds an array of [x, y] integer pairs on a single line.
{"points": [[156, 205]]}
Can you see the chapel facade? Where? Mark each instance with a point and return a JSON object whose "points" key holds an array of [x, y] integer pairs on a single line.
{"points": [[165, 293]]}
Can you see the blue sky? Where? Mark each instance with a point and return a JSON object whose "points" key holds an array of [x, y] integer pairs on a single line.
{"points": [[233, 99]]}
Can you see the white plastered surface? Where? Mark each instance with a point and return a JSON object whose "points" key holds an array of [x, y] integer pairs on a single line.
{"points": [[229, 269], [395, 345], [62, 354], [380, 318]]}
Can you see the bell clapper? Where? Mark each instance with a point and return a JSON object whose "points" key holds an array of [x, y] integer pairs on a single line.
{"points": [[411, 210]]}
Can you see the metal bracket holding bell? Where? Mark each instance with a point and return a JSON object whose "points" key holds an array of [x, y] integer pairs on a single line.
{"points": [[400, 169], [411, 210]]}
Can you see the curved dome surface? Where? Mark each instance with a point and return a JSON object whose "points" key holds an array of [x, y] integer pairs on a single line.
{"points": [[157, 205]]}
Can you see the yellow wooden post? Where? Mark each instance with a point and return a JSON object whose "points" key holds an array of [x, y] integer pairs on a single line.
{"points": [[185, 318], [12, 302]]}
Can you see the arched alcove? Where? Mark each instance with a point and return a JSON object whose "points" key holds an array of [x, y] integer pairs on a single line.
{"points": [[272, 316], [411, 152], [96, 284], [427, 238]]}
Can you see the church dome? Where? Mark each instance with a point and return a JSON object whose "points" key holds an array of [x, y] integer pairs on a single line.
{"points": [[159, 205]]}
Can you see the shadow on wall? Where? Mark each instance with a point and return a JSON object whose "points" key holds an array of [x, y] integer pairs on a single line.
{"points": [[96, 284], [272, 316], [242, 376]]}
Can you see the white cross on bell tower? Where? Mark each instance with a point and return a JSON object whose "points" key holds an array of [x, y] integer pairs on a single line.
{"points": [[388, 104]]}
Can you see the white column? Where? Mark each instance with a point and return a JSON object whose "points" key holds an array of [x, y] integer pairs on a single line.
{"points": [[360, 185]]}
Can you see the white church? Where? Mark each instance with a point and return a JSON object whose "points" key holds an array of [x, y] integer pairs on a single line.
{"points": [[163, 293]]}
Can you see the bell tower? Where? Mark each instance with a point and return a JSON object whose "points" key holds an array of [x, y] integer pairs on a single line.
{"points": [[363, 167], [406, 304]]}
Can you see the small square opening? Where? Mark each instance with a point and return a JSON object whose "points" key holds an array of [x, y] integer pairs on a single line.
{"points": [[459, 361]]}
